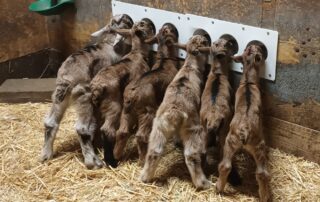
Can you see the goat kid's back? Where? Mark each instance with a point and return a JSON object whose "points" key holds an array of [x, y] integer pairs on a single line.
{"points": [[143, 96], [108, 85], [178, 114], [245, 128], [72, 86]]}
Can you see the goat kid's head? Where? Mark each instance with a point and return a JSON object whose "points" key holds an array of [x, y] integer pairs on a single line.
{"points": [[144, 29], [121, 21], [140, 30], [168, 35], [223, 48], [194, 45], [254, 55]]}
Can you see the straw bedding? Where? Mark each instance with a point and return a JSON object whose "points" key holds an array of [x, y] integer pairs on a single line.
{"points": [[65, 178]]}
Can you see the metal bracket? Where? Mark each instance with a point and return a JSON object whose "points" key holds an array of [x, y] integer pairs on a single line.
{"points": [[188, 23]]}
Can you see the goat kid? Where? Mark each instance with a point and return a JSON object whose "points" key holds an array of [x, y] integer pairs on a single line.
{"points": [[143, 97], [72, 86], [216, 100], [245, 128], [108, 85], [216, 112], [178, 114]]}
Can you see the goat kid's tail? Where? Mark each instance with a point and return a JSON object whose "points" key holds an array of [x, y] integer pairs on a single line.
{"points": [[96, 94], [61, 91], [127, 106], [81, 90], [213, 128], [244, 134], [234, 177], [171, 120]]}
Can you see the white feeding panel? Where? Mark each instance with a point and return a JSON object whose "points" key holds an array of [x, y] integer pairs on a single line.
{"points": [[186, 24]]}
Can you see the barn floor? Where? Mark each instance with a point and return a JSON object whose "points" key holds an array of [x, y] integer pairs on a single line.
{"points": [[65, 178]]}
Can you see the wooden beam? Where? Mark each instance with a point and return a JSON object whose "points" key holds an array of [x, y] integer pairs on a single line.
{"points": [[27, 90], [306, 114], [292, 138]]}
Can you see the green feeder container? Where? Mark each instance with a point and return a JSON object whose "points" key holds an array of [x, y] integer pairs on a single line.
{"points": [[49, 7]]}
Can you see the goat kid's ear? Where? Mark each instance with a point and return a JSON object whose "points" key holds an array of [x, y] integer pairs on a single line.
{"points": [[195, 52], [257, 58], [123, 32], [237, 59], [101, 31], [181, 46], [204, 49], [151, 40], [117, 39]]}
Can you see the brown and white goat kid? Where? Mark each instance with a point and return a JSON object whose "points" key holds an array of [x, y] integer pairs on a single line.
{"points": [[72, 86], [216, 112], [216, 100], [108, 85], [178, 114], [245, 128], [143, 97]]}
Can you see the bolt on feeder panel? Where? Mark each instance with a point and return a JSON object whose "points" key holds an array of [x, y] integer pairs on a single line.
{"points": [[187, 24]]}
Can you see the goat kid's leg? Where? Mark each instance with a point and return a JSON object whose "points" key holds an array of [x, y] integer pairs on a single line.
{"points": [[194, 150], [177, 141], [86, 126], [232, 144], [142, 135], [157, 142], [51, 124], [108, 131], [234, 177], [262, 175], [123, 134]]}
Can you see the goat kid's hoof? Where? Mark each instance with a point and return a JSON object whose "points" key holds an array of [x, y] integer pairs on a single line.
{"points": [[112, 162], [234, 178], [93, 163], [267, 198], [144, 178], [45, 156], [141, 161], [219, 188], [203, 184], [117, 156]]}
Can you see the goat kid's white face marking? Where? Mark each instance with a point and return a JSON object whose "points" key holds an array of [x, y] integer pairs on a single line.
{"points": [[115, 20], [117, 39], [99, 32]]}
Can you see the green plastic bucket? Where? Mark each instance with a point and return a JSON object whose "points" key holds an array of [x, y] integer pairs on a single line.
{"points": [[49, 7]]}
